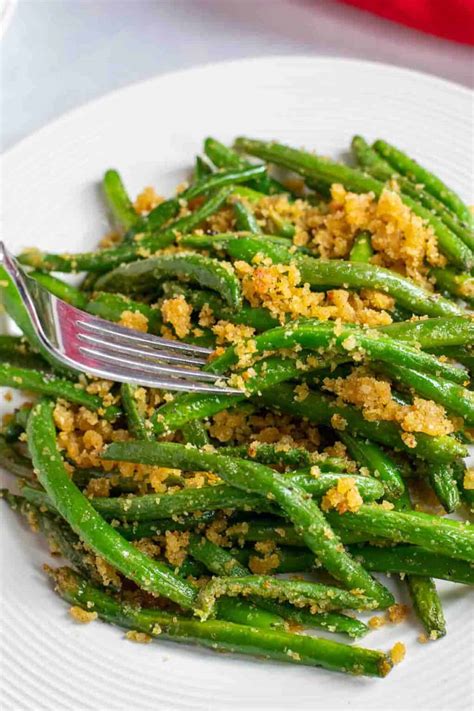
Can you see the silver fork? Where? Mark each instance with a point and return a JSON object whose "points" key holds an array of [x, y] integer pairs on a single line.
{"points": [[97, 347]]}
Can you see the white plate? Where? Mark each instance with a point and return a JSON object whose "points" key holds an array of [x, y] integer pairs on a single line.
{"points": [[151, 131]]}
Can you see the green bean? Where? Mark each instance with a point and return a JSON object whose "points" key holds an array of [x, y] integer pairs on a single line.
{"points": [[137, 424], [294, 457], [312, 166], [44, 384], [320, 597], [15, 308], [201, 169], [259, 318], [427, 605], [281, 532], [211, 182], [204, 271], [59, 288], [135, 530], [412, 560], [460, 285], [380, 465], [432, 333], [15, 350], [443, 536], [444, 484], [319, 409], [415, 172], [14, 462], [17, 424], [258, 479], [119, 202], [221, 562], [325, 274], [195, 433], [142, 245], [112, 306], [375, 165], [195, 406], [362, 248], [455, 398], [245, 220], [224, 157], [459, 472], [223, 636], [58, 533], [346, 340], [78, 511], [151, 507]]}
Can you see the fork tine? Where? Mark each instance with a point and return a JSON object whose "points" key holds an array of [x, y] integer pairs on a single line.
{"points": [[106, 327], [128, 375], [151, 354], [151, 367]]}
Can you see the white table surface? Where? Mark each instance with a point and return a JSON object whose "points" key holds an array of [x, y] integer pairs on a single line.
{"points": [[58, 54]]}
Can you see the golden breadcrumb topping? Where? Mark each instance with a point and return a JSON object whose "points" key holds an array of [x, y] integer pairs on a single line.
{"points": [[468, 481], [268, 559], [139, 637], [147, 200], [176, 547], [227, 332], [82, 616], [177, 312], [374, 397], [401, 240], [342, 497], [278, 288], [134, 319], [397, 653]]}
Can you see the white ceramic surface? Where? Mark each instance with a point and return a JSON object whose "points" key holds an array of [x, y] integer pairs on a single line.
{"points": [[50, 198]]}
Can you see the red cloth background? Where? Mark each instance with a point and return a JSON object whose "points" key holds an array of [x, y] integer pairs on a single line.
{"points": [[451, 19]]}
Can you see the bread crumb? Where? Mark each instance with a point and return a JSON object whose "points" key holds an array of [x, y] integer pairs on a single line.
{"points": [[342, 497], [81, 616], [139, 637], [177, 312], [397, 653]]}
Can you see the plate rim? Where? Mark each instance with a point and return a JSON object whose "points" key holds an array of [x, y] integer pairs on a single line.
{"points": [[72, 114]]}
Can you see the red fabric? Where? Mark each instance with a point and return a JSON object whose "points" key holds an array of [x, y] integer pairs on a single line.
{"points": [[451, 19]]}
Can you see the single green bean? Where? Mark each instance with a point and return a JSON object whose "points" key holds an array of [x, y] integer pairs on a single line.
{"points": [[427, 605], [460, 285], [245, 220], [431, 532], [45, 384], [59, 288], [294, 457], [412, 560], [137, 424], [362, 248], [444, 484], [380, 465], [119, 202], [320, 597], [204, 271]]}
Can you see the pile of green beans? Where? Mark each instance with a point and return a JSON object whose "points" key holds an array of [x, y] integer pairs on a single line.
{"points": [[202, 500]]}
